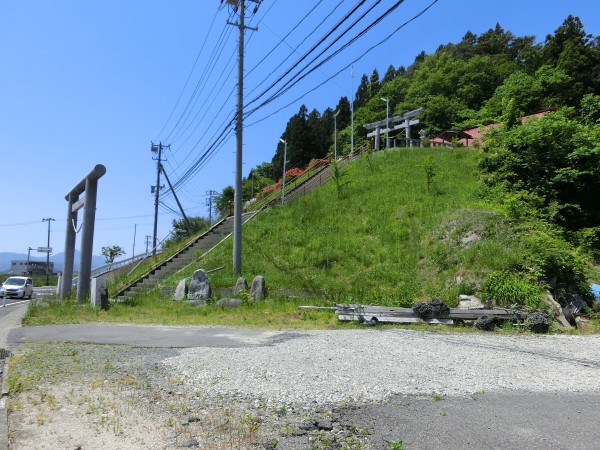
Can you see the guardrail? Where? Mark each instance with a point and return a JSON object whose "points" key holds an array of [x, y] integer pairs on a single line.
{"points": [[115, 265]]}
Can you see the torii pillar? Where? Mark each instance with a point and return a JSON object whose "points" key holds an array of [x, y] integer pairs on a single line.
{"points": [[89, 185]]}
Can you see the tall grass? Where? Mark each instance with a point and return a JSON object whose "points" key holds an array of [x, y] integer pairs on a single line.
{"points": [[394, 233], [408, 225]]}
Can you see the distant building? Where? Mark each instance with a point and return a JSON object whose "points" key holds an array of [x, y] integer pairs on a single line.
{"points": [[21, 267], [472, 137]]}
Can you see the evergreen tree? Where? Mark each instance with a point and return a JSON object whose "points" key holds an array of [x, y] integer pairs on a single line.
{"points": [[390, 74], [298, 140], [572, 50], [345, 114], [374, 84], [362, 93]]}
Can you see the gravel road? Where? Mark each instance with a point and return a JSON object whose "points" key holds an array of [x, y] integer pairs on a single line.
{"points": [[319, 389]]}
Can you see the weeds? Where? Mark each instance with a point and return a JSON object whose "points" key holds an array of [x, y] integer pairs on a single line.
{"points": [[387, 242]]}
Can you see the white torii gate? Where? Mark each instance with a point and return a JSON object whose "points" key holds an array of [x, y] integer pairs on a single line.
{"points": [[402, 121]]}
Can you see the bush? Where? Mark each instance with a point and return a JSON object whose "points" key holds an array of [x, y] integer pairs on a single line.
{"points": [[556, 263], [506, 289]]}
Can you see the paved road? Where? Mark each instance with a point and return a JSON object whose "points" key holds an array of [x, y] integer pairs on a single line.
{"points": [[507, 419], [144, 335]]}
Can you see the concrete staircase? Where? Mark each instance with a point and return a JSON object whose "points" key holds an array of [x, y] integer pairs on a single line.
{"points": [[180, 260]]}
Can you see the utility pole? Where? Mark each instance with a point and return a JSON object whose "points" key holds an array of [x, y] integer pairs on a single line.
{"points": [[387, 121], [284, 142], [134, 233], [156, 189], [148, 237], [209, 203], [352, 113], [237, 203], [335, 135], [28, 253], [48, 219]]}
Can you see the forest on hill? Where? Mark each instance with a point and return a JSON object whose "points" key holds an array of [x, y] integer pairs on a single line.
{"points": [[486, 78], [546, 169]]}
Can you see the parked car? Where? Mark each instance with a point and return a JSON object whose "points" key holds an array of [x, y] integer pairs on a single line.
{"points": [[19, 287]]}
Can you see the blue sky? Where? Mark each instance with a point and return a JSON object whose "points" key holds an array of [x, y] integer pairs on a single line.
{"points": [[94, 82]]}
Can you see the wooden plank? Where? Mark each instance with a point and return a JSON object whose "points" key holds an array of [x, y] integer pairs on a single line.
{"points": [[455, 313], [390, 319]]}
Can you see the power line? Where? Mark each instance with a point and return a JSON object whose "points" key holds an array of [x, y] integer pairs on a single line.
{"points": [[189, 76], [299, 76], [219, 138], [281, 41], [311, 50], [19, 224], [198, 89], [346, 67]]}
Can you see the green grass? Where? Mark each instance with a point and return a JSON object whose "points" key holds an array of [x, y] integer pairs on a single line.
{"points": [[385, 239], [402, 226]]}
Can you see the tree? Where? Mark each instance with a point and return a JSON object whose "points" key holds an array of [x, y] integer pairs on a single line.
{"points": [[556, 159], [183, 229], [345, 115], [112, 252], [362, 93], [298, 142], [589, 110], [389, 75], [224, 201], [374, 84], [573, 51], [520, 88]]}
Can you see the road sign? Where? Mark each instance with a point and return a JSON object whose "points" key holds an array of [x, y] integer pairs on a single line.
{"points": [[44, 249]]}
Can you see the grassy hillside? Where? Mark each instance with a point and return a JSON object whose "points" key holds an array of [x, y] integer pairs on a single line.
{"points": [[404, 225], [394, 228]]}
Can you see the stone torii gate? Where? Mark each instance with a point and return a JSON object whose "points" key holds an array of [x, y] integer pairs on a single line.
{"points": [[89, 185], [402, 121]]}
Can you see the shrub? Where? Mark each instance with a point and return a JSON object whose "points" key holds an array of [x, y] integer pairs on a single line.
{"points": [[506, 289]]}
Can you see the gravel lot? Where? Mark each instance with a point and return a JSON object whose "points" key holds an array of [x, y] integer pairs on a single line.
{"points": [[316, 389]]}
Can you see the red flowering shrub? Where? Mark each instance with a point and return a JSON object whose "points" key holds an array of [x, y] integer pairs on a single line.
{"points": [[292, 174]]}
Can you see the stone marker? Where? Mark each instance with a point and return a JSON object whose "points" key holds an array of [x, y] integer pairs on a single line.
{"points": [[199, 291], [181, 290], [258, 290], [99, 293], [229, 303], [240, 286], [469, 302]]}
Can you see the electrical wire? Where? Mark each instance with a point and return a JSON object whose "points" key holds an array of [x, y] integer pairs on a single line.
{"points": [[189, 76], [298, 77], [198, 89], [219, 139], [286, 36], [381, 42], [311, 50], [19, 224]]}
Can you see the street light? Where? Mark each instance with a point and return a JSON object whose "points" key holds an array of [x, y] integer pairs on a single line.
{"points": [[284, 142], [335, 135], [387, 121], [49, 219]]}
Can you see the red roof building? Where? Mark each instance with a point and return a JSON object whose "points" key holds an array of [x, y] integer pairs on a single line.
{"points": [[472, 137]]}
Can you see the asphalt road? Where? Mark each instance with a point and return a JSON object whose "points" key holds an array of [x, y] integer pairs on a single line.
{"points": [[495, 420], [144, 335]]}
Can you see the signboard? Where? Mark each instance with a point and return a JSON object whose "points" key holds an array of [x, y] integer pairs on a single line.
{"points": [[44, 249]]}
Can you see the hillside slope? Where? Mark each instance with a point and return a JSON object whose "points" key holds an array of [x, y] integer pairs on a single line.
{"points": [[385, 236]]}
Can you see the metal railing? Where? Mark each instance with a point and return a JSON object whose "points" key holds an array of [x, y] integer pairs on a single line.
{"points": [[315, 175], [97, 271]]}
